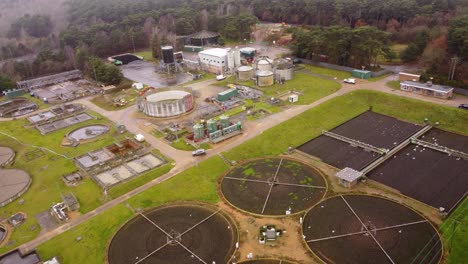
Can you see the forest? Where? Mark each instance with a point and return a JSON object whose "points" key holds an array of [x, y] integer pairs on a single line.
{"points": [[347, 32]]}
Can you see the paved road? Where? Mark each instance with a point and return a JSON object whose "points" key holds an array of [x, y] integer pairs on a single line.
{"points": [[184, 160]]}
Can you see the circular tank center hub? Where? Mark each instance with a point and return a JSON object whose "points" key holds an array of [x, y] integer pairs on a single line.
{"points": [[174, 238], [272, 181]]}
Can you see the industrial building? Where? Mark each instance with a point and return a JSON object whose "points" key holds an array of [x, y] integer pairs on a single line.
{"points": [[428, 89], [165, 102], [215, 131], [41, 82], [219, 60], [403, 76]]}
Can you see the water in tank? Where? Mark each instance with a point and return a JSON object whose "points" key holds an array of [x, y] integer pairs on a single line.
{"points": [[167, 54], [198, 131], [224, 121], [211, 125]]}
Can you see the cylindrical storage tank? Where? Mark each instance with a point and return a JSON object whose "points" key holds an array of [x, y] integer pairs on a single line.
{"points": [[167, 54], [264, 65], [211, 125], [224, 121], [198, 131], [284, 74], [245, 73], [165, 103], [237, 56], [265, 78]]}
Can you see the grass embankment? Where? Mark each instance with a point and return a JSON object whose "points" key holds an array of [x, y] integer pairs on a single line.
{"points": [[340, 75], [378, 78], [46, 172], [398, 49], [454, 231], [200, 181], [311, 87]]}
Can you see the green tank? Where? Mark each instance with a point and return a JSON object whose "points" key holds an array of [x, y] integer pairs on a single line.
{"points": [[224, 121], [211, 125], [198, 131]]}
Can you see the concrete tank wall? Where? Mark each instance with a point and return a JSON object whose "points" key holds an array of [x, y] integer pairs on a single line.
{"points": [[166, 108], [265, 78], [284, 74], [245, 73]]}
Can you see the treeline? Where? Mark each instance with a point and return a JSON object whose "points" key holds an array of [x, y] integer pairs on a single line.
{"points": [[342, 45], [37, 26], [350, 12]]}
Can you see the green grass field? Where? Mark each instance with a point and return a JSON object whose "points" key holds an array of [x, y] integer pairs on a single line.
{"points": [[97, 232], [328, 72], [456, 242], [311, 87], [375, 79], [123, 91], [147, 55], [395, 85], [397, 48], [46, 172]]}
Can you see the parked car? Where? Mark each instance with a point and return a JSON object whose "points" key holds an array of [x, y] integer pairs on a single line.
{"points": [[463, 106], [350, 80], [220, 77], [198, 152]]}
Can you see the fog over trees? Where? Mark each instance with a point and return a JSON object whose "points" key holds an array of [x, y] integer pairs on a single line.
{"points": [[349, 32]]}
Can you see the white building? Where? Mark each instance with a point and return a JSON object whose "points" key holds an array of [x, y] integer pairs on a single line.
{"points": [[219, 60], [213, 60]]}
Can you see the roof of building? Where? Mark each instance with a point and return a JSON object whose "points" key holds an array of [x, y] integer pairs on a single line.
{"points": [[15, 257], [247, 50], [349, 174], [432, 87], [204, 34], [360, 71], [410, 74], [217, 52]]}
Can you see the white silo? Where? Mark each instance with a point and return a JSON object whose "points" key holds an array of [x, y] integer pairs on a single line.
{"points": [[237, 57], [230, 60]]}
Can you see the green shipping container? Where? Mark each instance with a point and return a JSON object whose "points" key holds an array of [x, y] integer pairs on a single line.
{"points": [[226, 95], [362, 74]]}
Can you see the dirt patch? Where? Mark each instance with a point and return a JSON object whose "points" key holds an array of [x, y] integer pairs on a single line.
{"points": [[376, 229], [289, 246]]}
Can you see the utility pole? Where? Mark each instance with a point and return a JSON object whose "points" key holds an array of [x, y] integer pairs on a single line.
{"points": [[133, 43]]}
